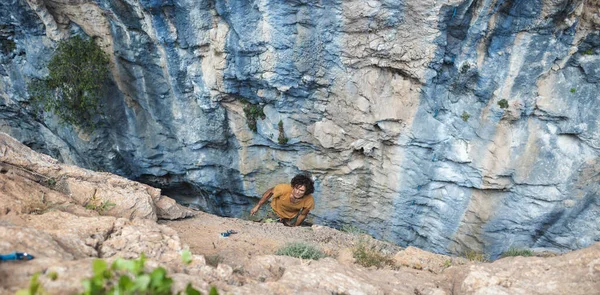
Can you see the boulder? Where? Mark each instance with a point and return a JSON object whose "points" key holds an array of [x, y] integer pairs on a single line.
{"points": [[420, 259], [30, 177]]}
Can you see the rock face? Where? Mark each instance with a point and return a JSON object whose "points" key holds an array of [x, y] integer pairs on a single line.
{"points": [[37, 217], [448, 125]]}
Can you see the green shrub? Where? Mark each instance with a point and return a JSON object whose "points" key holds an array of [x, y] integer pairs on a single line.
{"points": [[465, 116], [573, 90], [253, 113], [281, 139], [300, 250], [8, 45], [368, 255], [503, 103], [589, 52], [517, 252], [465, 68], [77, 71], [126, 277]]}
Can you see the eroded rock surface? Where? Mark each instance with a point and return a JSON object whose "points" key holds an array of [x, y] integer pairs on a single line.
{"points": [[33, 182], [447, 125], [65, 237]]}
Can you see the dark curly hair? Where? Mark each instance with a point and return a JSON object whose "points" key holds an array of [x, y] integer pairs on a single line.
{"points": [[306, 181]]}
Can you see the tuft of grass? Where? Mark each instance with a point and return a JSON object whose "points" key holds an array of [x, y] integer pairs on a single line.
{"points": [[368, 255], [213, 260], [447, 263], [351, 229], [465, 116], [38, 206], [50, 182], [503, 103], [300, 250], [589, 52], [53, 276], [517, 252], [98, 205], [475, 256], [282, 139], [573, 90]]}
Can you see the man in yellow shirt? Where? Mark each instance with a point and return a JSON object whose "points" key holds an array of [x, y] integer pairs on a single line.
{"points": [[290, 200]]}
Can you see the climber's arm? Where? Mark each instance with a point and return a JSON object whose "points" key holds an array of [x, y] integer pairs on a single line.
{"points": [[302, 216], [265, 197]]}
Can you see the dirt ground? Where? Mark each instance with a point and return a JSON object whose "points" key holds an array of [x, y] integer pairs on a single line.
{"points": [[202, 234]]}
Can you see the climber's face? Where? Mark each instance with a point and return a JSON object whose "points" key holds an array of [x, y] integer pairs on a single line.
{"points": [[298, 191]]}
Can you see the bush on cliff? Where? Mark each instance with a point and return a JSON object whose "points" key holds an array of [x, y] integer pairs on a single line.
{"points": [[77, 72], [367, 255]]}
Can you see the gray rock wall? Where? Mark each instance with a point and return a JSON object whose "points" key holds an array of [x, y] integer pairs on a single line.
{"points": [[393, 106]]}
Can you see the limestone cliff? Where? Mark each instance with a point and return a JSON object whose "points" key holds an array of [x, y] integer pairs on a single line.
{"points": [[393, 106]]}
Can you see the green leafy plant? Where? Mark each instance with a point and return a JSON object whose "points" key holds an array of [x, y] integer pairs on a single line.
{"points": [[300, 250], [253, 113], [368, 255], [125, 277], [35, 288], [589, 52], [77, 72], [281, 139], [465, 116], [573, 90], [517, 252], [503, 103], [186, 256], [129, 277], [99, 205]]}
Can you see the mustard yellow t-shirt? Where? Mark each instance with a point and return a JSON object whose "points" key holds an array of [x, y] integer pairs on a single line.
{"points": [[282, 205]]}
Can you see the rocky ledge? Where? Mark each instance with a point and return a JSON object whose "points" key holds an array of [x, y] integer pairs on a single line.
{"points": [[67, 216]]}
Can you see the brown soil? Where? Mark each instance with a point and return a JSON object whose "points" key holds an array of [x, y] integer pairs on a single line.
{"points": [[203, 235]]}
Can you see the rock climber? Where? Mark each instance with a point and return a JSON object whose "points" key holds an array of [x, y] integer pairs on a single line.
{"points": [[290, 200]]}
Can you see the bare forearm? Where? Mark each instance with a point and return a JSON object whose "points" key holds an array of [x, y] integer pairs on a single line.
{"points": [[265, 197], [300, 219]]}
